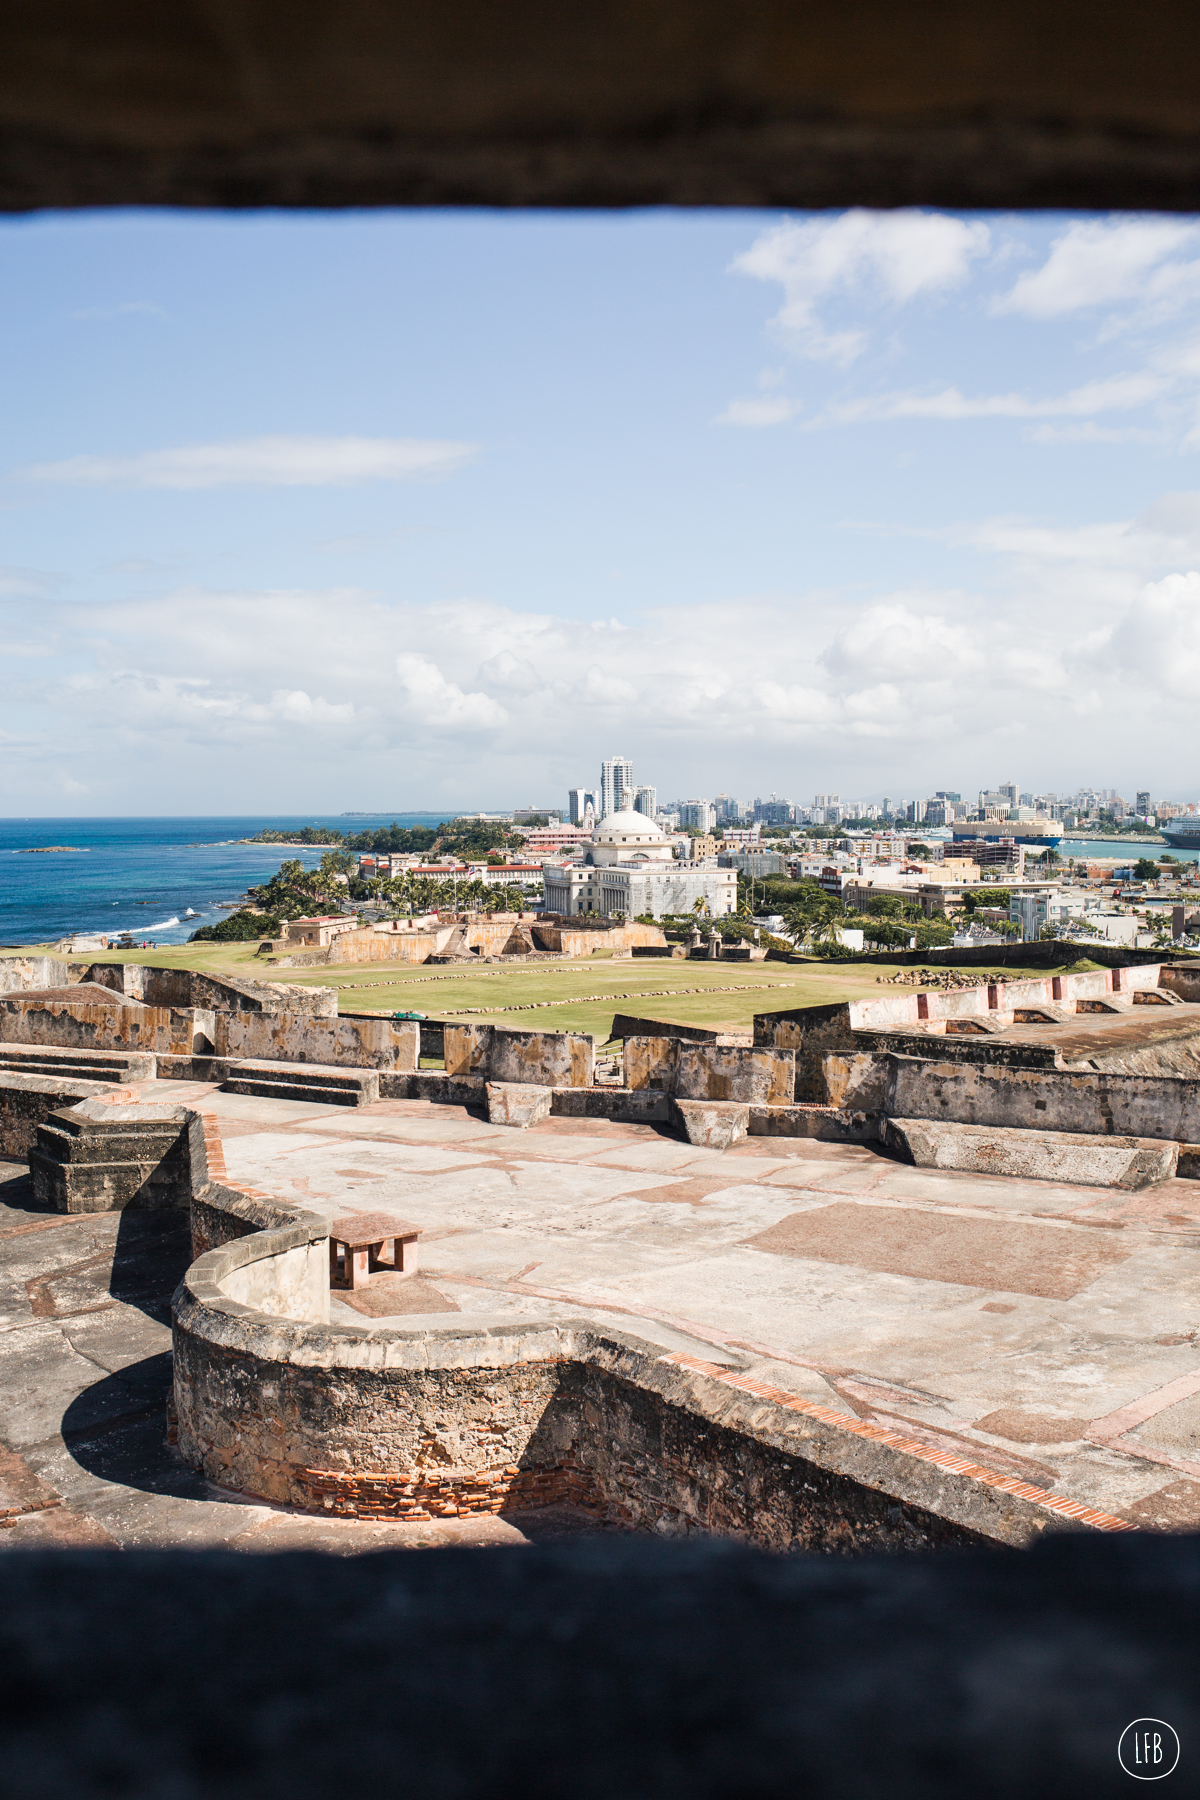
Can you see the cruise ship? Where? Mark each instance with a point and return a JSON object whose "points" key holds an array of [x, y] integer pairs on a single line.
{"points": [[1042, 834], [1184, 832]]}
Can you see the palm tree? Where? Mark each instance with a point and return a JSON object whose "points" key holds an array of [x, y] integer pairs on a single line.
{"points": [[826, 928]]}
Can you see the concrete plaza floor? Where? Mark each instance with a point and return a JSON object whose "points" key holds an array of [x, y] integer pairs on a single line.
{"points": [[1045, 1331]]}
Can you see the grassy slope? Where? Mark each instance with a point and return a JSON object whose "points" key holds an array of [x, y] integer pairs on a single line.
{"points": [[390, 987]]}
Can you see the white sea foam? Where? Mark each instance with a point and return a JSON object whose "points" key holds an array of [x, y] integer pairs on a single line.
{"points": [[163, 925]]}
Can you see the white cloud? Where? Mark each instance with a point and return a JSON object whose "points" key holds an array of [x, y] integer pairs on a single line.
{"points": [[441, 705], [470, 702], [264, 462], [1158, 639], [880, 257], [1097, 264], [299, 709], [25, 581], [772, 409], [890, 639], [505, 670], [1112, 394]]}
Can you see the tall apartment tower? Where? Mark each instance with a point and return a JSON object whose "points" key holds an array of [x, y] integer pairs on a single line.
{"points": [[616, 786], [1143, 803], [646, 801], [580, 799]]}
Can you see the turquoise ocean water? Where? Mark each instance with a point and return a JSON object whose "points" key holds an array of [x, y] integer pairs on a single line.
{"points": [[143, 875], [1104, 848]]}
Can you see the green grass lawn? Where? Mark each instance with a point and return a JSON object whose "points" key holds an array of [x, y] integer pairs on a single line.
{"points": [[647, 989]]}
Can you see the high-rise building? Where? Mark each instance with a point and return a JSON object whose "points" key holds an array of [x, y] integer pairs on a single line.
{"points": [[945, 794], [580, 799], [616, 786], [1143, 803], [1011, 789], [699, 814], [646, 801], [778, 812]]}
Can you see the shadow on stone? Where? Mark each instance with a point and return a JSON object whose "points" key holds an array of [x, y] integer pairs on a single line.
{"points": [[152, 1252], [117, 1430]]}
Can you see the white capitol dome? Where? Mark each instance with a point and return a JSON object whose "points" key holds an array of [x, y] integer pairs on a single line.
{"points": [[629, 837], [628, 828]]}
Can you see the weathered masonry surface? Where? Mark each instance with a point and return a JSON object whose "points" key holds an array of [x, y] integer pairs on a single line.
{"points": [[433, 1416], [689, 1302]]}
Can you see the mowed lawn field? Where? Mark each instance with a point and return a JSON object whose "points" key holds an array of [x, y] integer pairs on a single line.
{"points": [[576, 995]]}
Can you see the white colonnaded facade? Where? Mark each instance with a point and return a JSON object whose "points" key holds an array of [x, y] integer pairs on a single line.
{"points": [[631, 869]]}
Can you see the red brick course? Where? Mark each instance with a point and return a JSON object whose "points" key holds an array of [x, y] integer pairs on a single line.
{"points": [[380, 1495]]}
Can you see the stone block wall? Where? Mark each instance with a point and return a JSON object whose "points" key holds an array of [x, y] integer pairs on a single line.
{"points": [[811, 1032], [726, 1072], [626, 1025], [650, 1062], [1091, 1102], [556, 1059], [355, 1040], [20, 973], [98, 1156], [689, 1071], [1182, 979], [183, 988], [86, 1025], [27, 1101]]}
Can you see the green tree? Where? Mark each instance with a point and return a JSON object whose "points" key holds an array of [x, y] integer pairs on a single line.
{"points": [[1145, 870]]}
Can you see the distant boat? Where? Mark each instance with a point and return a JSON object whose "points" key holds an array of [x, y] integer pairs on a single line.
{"points": [[1034, 833]]}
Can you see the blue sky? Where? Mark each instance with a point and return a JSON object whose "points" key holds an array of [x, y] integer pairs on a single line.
{"points": [[408, 510]]}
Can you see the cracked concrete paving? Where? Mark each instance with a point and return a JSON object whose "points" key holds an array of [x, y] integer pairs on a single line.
{"points": [[1044, 1330], [1001, 1319]]}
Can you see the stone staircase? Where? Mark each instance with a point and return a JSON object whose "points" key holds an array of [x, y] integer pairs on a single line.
{"points": [[82, 1065], [321, 1084]]}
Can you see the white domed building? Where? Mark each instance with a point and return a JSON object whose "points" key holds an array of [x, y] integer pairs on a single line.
{"points": [[630, 868], [628, 839]]}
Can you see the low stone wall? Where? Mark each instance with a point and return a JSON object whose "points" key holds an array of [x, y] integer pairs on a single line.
{"points": [[87, 1025], [369, 946], [1097, 1104], [20, 973], [1182, 979], [626, 1025], [690, 1071], [553, 1059], [811, 1032], [482, 1417], [362, 1040], [27, 1101], [570, 937], [1107, 1162], [1050, 955], [184, 988], [1061, 993]]}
